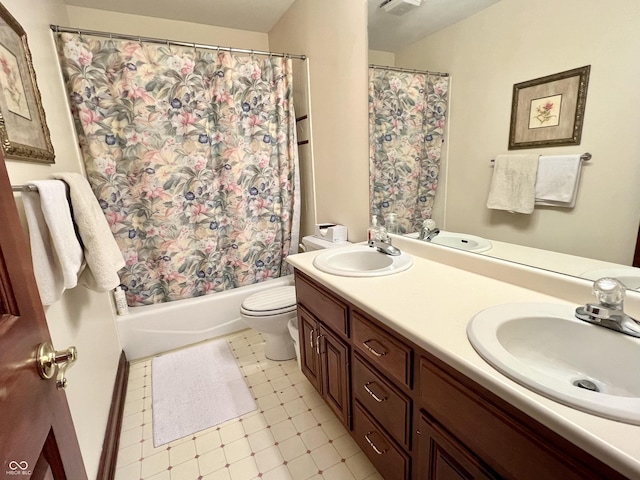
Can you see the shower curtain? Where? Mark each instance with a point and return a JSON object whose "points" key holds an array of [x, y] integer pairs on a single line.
{"points": [[407, 115], [192, 155]]}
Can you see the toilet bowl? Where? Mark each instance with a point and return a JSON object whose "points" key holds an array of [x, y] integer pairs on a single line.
{"points": [[269, 312]]}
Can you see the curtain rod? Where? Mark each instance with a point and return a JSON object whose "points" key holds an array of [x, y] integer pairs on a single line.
{"points": [[119, 36], [407, 70]]}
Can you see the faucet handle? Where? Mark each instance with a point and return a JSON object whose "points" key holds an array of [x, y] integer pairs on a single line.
{"points": [[429, 224], [609, 291]]}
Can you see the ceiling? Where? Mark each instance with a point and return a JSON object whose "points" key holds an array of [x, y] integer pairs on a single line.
{"points": [[389, 32], [386, 32]]}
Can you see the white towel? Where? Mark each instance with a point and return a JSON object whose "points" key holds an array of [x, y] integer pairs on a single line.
{"points": [[557, 180], [55, 249], [513, 183], [101, 251]]}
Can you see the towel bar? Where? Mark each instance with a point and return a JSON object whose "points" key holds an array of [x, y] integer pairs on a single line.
{"points": [[24, 188], [585, 157]]}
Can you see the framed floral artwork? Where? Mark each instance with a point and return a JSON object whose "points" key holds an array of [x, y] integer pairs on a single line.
{"points": [[23, 128], [549, 111]]}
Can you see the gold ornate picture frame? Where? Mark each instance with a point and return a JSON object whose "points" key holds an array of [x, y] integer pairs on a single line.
{"points": [[23, 128], [549, 111]]}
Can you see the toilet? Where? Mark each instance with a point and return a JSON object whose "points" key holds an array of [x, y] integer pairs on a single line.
{"points": [[272, 312], [268, 312]]}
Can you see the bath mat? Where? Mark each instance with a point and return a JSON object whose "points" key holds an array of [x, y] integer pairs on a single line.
{"points": [[196, 388]]}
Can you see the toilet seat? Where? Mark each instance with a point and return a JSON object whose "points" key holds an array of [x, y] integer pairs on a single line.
{"points": [[273, 301]]}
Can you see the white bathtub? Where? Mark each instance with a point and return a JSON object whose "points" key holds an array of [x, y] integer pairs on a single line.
{"points": [[153, 329]]}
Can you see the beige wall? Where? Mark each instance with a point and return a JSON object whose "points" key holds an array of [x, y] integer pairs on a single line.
{"points": [[302, 105], [518, 40], [333, 33], [378, 57], [101, 20], [81, 318]]}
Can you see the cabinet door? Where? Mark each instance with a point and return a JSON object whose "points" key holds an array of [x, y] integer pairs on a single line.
{"points": [[309, 348], [334, 358], [441, 457]]}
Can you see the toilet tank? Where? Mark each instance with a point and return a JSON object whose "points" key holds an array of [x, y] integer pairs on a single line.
{"points": [[311, 243]]}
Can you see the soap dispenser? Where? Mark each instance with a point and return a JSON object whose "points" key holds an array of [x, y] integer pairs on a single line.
{"points": [[372, 231]]}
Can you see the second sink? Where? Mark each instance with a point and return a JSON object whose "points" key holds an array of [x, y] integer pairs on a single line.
{"points": [[546, 349]]}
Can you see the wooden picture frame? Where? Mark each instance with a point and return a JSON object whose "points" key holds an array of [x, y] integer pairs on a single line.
{"points": [[549, 111], [24, 134]]}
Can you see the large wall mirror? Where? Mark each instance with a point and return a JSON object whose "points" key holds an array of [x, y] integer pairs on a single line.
{"points": [[487, 46]]}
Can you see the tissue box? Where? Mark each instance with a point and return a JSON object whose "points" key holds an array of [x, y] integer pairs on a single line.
{"points": [[331, 232]]}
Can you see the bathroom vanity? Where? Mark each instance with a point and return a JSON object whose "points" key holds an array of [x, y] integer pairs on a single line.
{"points": [[390, 357]]}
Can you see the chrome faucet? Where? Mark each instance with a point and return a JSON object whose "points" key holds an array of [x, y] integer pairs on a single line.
{"points": [[609, 313], [429, 230], [384, 246]]}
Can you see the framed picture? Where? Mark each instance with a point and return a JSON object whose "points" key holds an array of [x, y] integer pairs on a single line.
{"points": [[549, 111], [23, 128]]}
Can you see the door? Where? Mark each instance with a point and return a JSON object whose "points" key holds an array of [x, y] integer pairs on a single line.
{"points": [[37, 437], [309, 348], [334, 368], [441, 457]]}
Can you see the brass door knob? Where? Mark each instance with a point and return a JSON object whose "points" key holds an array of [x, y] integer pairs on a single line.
{"points": [[48, 360]]}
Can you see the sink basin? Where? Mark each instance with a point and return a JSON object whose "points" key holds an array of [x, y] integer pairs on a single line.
{"points": [[546, 349], [462, 241], [628, 275], [361, 261]]}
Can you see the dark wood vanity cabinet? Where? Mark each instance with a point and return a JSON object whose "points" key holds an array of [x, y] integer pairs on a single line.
{"points": [[324, 355], [416, 417], [308, 328], [442, 457]]}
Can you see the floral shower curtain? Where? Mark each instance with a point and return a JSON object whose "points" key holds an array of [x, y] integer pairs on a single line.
{"points": [[407, 114], [192, 155]]}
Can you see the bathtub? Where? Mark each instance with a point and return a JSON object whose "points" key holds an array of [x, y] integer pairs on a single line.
{"points": [[153, 329]]}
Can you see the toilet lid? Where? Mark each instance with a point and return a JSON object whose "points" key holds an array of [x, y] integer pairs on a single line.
{"points": [[272, 301]]}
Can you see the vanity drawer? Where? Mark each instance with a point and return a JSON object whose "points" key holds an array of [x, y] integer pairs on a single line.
{"points": [[326, 308], [381, 349], [386, 456], [390, 407]]}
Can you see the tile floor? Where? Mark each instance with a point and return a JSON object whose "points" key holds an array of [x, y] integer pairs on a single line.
{"points": [[291, 436]]}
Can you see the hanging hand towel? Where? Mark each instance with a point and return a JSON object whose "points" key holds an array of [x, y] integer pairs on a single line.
{"points": [[557, 180], [62, 239], [513, 183], [47, 271], [101, 251]]}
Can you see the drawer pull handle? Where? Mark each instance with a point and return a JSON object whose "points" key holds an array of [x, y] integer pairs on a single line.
{"points": [[311, 339], [373, 394], [373, 445], [318, 344], [373, 350]]}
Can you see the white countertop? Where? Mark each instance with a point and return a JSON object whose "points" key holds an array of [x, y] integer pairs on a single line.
{"points": [[432, 303]]}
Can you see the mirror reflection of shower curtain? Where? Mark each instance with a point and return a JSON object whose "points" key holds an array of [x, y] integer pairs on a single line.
{"points": [[192, 156], [407, 116]]}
